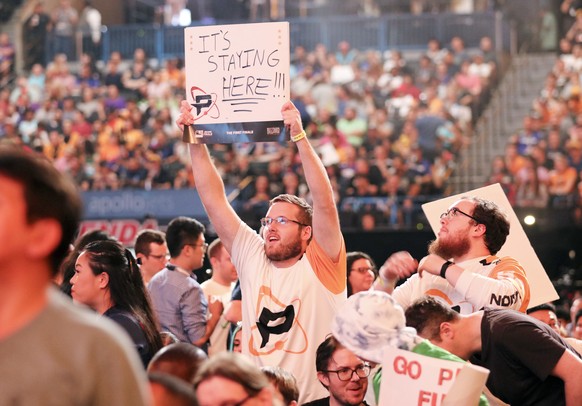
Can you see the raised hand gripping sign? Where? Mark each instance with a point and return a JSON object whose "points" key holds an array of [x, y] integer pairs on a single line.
{"points": [[237, 79]]}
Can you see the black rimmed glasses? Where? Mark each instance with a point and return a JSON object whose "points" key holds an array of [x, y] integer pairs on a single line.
{"points": [[203, 245], [345, 374], [451, 213], [159, 257], [281, 220]]}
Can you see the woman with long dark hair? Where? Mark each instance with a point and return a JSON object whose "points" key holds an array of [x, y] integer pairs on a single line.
{"points": [[361, 272], [107, 279]]}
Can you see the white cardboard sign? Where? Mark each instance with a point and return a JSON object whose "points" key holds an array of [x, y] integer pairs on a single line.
{"points": [[237, 79], [410, 379]]}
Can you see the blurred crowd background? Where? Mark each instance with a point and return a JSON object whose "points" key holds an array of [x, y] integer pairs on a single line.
{"points": [[392, 126]]}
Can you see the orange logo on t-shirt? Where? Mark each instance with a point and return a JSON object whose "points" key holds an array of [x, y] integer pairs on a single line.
{"points": [[277, 327]]}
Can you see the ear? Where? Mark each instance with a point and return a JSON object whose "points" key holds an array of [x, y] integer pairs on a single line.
{"points": [[323, 378], [45, 236], [479, 229], [306, 232], [447, 332], [103, 280]]}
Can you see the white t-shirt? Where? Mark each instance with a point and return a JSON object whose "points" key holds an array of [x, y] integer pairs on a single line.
{"points": [[287, 312], [486, 281], [219, 337]]}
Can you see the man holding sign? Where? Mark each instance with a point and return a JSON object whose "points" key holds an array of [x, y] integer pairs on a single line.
{"points": [[529, 362], [293, 274], [461, 268]]}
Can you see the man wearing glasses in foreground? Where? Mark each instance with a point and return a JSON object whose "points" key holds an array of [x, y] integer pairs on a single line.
{"points": [[293, 275], [461, 268], [176, 296], [342, 373]]}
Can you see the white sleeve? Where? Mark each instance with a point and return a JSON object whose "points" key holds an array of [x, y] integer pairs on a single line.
{"points": [[506, 286]]}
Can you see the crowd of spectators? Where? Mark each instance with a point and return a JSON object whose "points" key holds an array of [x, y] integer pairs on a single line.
{"points": [[388, 126], [542, 163]]}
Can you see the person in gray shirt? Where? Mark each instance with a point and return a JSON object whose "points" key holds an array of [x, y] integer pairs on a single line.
{"points": [[52, 352]]}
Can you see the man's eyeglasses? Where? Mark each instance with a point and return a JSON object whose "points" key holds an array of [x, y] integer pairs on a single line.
{"points": [[158, 257], [451, 213], [345, 374], [281, 220], [204, 246]]}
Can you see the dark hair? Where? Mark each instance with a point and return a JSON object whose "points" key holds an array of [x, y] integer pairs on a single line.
{"points": [[426, 315], [325, 352], [178, 392], [543, 306], [284, 382], [495, 222], [145, 238], [182, 231], [126, 286], [352, 257], [576, 317], [48, 194], [67, 268], [179, 359], [236, 368]]}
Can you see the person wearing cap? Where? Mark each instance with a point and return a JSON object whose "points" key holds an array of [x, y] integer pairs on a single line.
{"points": [[529, 363], [461, 268], [293, 273], [371, 322]]}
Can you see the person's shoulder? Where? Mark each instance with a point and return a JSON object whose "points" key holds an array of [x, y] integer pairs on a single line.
{"points": [[509, 318], [159, 277], [121, 316], [86, 326]]}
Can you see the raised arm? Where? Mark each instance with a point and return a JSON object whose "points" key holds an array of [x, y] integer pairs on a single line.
{"points": [[326, 226], [210, 186]]}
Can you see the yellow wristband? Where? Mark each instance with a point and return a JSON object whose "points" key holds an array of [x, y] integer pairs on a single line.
{"points": [[298, 137]]}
